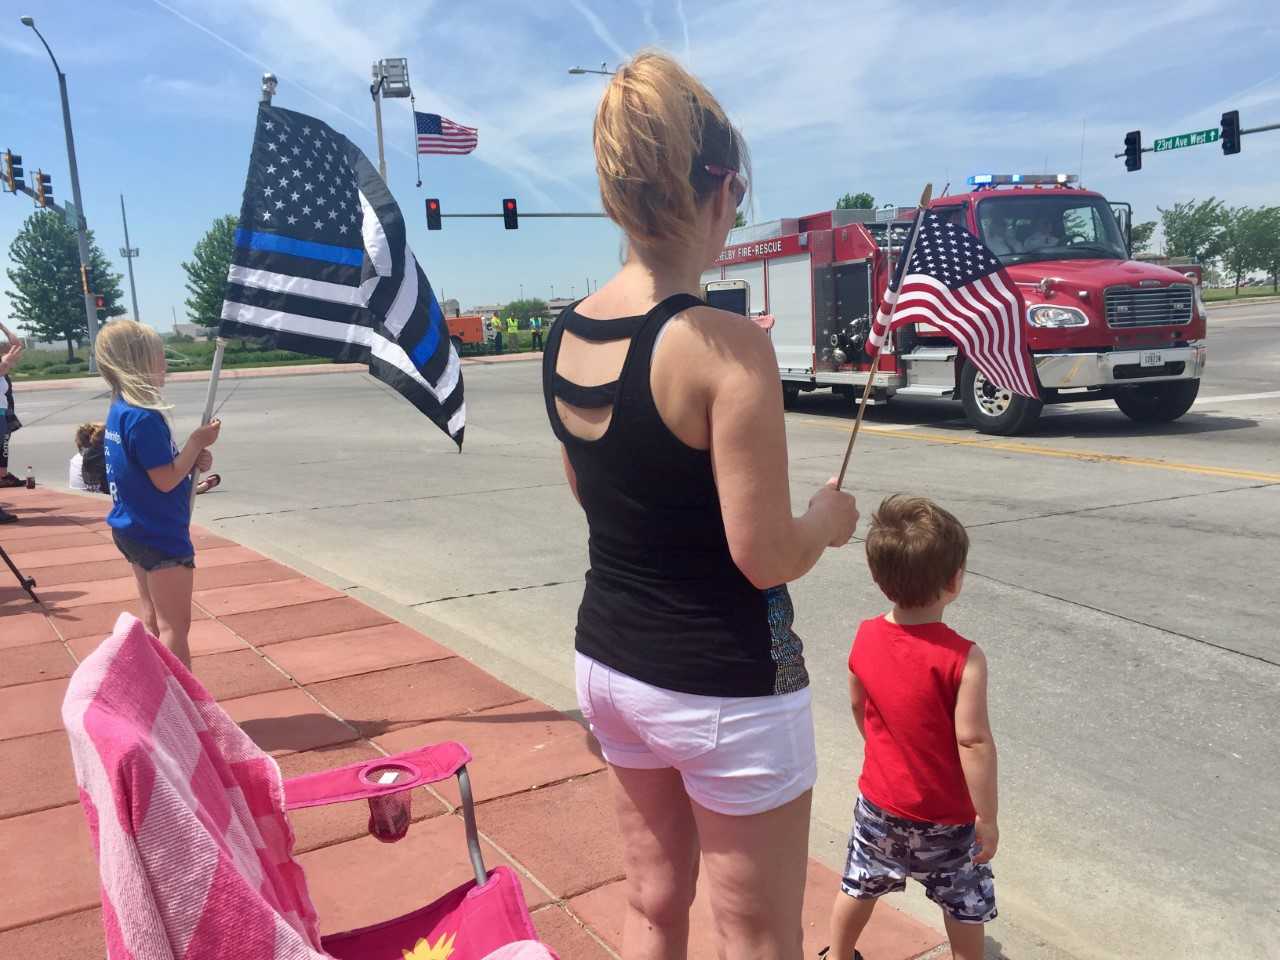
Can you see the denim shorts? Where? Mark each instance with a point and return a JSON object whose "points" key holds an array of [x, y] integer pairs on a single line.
{"points": [[884, 850], [148, 558]]}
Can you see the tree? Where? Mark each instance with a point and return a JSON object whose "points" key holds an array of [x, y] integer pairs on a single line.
{"points": [[856, 201], [1142, 236], [739, 220], [48, 300], [1270, 252], [1194, 229], [207, 271], [1245, 240], [524, 310]]}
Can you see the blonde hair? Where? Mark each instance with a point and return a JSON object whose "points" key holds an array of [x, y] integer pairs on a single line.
{"points": [[656, 129], [129, 354]]}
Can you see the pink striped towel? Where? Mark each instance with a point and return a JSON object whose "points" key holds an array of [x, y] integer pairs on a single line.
{"points": [[185, 812]]}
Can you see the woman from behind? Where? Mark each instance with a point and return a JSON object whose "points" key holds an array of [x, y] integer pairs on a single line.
{"points": [[670, 417]]}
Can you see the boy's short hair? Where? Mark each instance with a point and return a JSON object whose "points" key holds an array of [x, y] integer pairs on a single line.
{"points": [[915, 549]]}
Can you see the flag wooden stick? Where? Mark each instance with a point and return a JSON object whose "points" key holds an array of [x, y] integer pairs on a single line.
{"points": [[892, 296], [214, 372]]}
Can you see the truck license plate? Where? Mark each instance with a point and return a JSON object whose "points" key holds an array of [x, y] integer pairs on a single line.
{"points": [[1153, 359]]}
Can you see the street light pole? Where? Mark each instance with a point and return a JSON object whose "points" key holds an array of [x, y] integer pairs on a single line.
{"points": [[82, 227], [129, 253], [604, 70]]}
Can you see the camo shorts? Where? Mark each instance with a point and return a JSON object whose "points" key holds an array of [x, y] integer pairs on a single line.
{"points": [[884, 850]]}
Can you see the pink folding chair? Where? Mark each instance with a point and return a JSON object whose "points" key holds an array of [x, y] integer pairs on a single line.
{"points": [[194, 848]]}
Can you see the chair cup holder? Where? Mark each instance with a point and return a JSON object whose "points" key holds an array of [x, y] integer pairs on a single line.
{"points": [[390, 813]]}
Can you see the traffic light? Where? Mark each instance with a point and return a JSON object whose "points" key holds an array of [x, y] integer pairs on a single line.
{"points": [[1133, 150], [433, 213], [13, 181], [99, 304], [510, 216], [1231, 132], [44, 188]]}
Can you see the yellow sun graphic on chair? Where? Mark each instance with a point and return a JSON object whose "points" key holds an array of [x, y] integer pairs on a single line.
{"points": [[442, 949]]}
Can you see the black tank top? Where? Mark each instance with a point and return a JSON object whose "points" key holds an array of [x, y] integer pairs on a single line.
{"points": [[664, 602]]}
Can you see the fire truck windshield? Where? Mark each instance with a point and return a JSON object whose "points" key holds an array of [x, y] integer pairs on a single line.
{"points": [[1029, 227]]}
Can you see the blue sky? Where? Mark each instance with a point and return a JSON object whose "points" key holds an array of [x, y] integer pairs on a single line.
{"points": [[832, 96]]}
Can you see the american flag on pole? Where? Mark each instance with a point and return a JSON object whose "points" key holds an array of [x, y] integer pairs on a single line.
{"points": [[322, 266], [955, 283], [437, 134]]}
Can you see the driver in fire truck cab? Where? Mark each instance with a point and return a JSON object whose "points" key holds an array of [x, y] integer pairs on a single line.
{"points": [[1045, 231]]}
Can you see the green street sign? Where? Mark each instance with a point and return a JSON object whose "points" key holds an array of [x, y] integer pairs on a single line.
{"points": [[1187, 140]]}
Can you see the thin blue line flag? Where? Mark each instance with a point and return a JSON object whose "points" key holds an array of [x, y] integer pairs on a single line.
{"points": [[322, 266]]}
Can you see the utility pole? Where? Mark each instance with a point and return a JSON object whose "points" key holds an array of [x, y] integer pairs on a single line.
{"points": [[375, 91], [82, 226], [129, 253], [390, 79]]}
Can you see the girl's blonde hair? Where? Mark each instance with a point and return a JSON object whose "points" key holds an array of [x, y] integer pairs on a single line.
{"points": [[129, 355], [656, 129]]}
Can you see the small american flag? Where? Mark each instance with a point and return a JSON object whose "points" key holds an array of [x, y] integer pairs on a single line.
{"points": [[437, 134], [955, 283]]}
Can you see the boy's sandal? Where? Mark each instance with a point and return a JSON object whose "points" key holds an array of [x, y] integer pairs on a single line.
{"points": [[7, 517], [12, 480], [208, 483]]}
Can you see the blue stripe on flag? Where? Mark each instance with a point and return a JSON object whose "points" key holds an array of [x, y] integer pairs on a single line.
{"points": [[425, 348], [277, 243]]}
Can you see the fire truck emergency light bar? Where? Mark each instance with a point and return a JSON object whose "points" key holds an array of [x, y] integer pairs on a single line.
{"points": [[1035, 179]]}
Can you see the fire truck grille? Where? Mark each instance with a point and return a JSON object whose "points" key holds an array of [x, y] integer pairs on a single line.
{"points": [[1133, 307]]}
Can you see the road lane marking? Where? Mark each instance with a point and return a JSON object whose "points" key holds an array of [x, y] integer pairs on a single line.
{"points": [[1237, 397], [898, 432]]}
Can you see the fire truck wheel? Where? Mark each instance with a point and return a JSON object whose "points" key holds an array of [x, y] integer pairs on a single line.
{"points": [[993, 409], [1158, 402], [790, 393], [457, 344]]}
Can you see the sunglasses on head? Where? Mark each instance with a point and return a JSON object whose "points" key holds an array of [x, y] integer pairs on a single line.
{"points": [[739, 181]]}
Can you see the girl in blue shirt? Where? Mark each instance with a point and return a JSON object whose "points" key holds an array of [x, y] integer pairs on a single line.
{"points": [[149, 479]]}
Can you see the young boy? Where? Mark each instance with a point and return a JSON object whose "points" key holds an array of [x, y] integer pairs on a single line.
{"points": [[927, 807]]}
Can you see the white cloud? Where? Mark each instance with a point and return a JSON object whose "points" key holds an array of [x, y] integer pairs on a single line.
{"points": [[600, 30]]}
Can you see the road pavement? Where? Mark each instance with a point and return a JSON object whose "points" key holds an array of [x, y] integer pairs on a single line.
{"points": [[1121, 581]]}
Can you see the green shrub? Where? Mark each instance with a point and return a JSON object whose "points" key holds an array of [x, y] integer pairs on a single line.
{"points": [[56, 368]]}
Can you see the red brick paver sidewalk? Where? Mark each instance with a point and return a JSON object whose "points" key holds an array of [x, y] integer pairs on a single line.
{"points": [[319, 679]]}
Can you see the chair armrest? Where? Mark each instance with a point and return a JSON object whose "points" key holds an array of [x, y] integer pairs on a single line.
{"points": [[358, 781]]}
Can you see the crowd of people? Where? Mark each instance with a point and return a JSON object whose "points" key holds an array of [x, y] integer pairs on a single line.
{"points": [[670, 420]]}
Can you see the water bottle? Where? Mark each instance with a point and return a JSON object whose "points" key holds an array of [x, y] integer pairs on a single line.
{"points": [[31, 478]]}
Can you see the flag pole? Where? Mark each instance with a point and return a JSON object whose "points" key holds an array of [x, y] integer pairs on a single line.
{"points": [[214, 372], [892, 296], [269, 83], [413, 109]]}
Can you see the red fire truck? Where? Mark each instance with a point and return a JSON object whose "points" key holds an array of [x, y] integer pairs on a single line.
{"points": [[1100, 325]]}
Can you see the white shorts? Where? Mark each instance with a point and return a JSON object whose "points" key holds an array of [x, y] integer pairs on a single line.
{"points": [[737, 755]]}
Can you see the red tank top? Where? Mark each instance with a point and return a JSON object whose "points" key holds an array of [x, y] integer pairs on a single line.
{"points": [[911, 764]]}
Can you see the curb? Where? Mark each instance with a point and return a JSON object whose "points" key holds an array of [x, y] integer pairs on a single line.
{"points": [[253, 373], [1212, 305]]}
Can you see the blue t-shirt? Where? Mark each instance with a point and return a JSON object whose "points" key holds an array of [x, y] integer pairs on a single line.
{"points": [[138, 440]]}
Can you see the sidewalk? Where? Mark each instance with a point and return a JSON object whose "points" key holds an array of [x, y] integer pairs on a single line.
{"points": [[319, 680]]}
